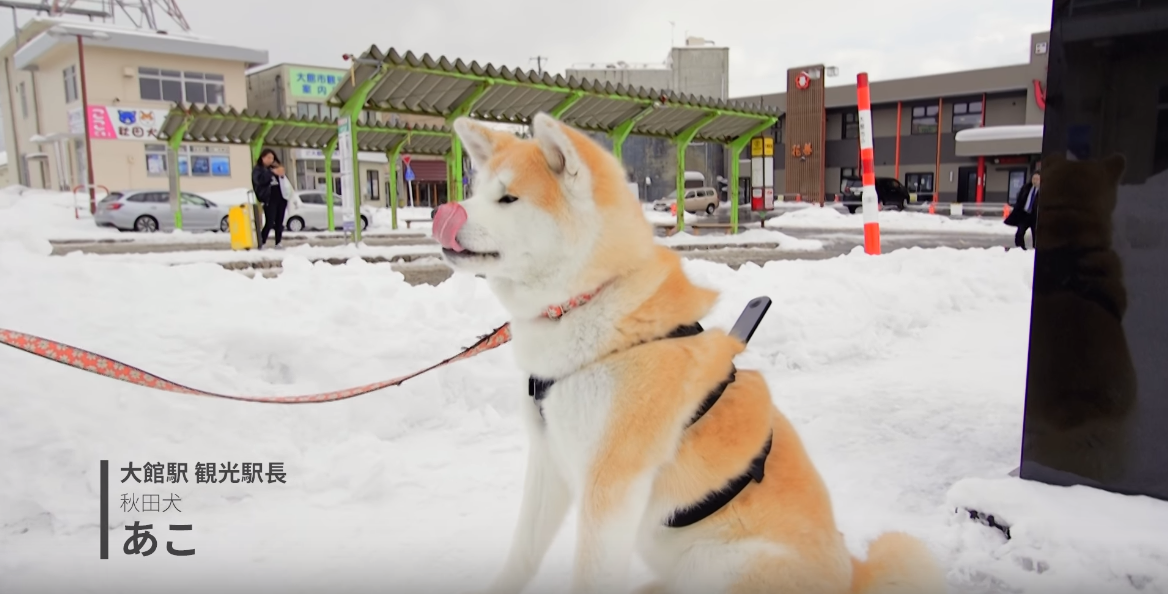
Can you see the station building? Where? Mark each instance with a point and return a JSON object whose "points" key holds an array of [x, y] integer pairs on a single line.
{"points": [[971, 136], [130, 79]]}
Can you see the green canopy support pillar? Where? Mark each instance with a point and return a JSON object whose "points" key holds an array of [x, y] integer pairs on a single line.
{"points": [[257, 143], [455, 189], [450, 172], [622, 131], [736, 147], [566, 104], [683, 141], [329, 149], [172, 144], [352, 110], [393, 155]]}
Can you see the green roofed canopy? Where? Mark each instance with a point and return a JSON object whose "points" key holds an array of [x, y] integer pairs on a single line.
{"points": [[437, 86], [228, 126]]}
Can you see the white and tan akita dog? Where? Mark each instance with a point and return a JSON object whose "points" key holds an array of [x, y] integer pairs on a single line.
{"points": [[633, 411]]}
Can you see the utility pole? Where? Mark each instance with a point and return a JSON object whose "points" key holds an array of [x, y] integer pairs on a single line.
{"points": [[539, 60]]}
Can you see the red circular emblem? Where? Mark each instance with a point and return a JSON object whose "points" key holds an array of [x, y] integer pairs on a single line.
{"points": [[802, 81]]}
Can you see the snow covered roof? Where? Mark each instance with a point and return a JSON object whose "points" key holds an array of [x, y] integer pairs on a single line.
{"points": [[58, 31], [1001, 133], [999, 140]]}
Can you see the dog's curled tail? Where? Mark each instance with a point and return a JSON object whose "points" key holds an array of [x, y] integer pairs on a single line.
{"points": [[898, 564]]}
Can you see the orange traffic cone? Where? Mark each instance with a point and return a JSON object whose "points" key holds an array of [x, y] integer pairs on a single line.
{"points": [[1005, 211], [798, 198], [673, 209], [932, 208]]}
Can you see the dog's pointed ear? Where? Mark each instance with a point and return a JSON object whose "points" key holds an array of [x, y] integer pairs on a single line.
{"points": [[555, 141], [479, 141]]}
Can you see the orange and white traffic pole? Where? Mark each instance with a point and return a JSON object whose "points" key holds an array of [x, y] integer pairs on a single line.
{"points": [[868, 167]]}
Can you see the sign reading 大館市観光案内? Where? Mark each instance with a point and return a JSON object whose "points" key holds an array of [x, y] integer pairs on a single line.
{"points": [[315, 83]]}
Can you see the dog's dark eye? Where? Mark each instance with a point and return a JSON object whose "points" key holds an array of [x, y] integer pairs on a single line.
{"points": [[507, 199]]}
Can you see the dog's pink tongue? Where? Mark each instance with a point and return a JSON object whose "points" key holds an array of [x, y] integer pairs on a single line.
{"points": [[449, 218]]}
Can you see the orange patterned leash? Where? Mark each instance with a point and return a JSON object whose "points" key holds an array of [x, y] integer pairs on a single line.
{"points": [[94, 363]]}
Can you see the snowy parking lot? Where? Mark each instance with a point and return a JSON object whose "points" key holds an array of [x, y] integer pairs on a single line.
{"points": [[416, 488]]}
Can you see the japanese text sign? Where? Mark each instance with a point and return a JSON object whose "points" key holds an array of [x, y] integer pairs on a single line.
{"points": [[314, 83], [125, 123]]}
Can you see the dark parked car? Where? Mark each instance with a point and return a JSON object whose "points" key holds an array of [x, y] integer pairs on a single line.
{"points": [[889, 191]]}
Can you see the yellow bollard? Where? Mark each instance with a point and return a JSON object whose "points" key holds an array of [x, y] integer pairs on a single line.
{"points": [[240, 225]]}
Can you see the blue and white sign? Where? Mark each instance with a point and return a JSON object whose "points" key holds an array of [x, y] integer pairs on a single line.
{"points": [[409, 174]]}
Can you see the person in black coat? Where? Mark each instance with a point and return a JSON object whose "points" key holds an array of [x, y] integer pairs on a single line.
{"points": [[266, 184], [1025, 211]]}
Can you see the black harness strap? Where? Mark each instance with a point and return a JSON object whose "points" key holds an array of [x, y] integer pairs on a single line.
{"points": [[710, 400], [538, 388], [715, 501]]}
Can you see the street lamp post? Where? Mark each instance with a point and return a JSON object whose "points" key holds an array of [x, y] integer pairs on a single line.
{"points": [[85, 110], [60, 31]]}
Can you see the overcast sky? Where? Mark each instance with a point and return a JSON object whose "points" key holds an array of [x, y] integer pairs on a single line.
{"points": [[766, 37]]}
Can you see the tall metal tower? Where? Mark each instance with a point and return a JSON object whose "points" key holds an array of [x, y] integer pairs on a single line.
{"points": [[142, 14]]}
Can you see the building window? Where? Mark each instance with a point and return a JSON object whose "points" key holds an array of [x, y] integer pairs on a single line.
{"points": [[193, 161], [851, 125], [966, 115], [849, 173], [23, 101], [919, 182], [71, 92], [924, 119], [180, 87], [372, 179]]}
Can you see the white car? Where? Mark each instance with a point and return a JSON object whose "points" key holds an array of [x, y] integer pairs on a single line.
{"points": [[312, 213], [696, 200]]}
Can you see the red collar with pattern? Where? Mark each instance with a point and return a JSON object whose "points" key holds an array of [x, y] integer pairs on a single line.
{"points": [[556, 312]]}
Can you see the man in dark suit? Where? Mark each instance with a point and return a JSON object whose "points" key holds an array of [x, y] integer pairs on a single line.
{"points": [[1023, 215]]}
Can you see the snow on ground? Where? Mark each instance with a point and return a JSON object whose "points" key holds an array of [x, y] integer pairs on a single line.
{"points": [[747, 238], [1111, 543], [903, 373], [30, 215], [310, 252], [33, 216], [790, 215], [297, 252], [813, 217]]}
